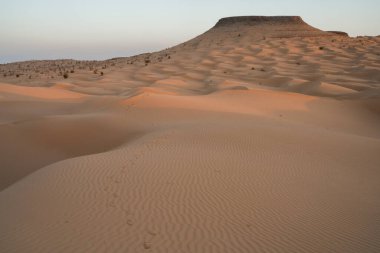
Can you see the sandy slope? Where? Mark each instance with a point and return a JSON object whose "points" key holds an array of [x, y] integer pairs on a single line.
{"points": [[222, 144]]}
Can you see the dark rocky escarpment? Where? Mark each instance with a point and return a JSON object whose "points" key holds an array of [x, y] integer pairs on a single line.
{"points": [[266, 26], [260, 20]]}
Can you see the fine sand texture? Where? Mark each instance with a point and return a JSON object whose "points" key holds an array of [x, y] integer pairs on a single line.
{"points": [[260, 135]]}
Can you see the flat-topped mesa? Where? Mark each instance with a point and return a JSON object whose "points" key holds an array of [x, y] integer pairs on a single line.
{"points": [[267, 26], [260, 20]]}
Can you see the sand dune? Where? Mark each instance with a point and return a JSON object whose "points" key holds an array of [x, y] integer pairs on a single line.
{"points": [[55, 92], [260, 135]]}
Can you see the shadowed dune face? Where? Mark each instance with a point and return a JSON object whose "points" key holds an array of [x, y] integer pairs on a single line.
{"points": [[32, 144], [260, 135]]}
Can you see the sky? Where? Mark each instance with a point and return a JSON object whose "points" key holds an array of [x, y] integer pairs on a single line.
{"points": [[102, 29]]}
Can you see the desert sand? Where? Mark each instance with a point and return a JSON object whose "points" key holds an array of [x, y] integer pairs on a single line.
{"points": [[260, 135]]}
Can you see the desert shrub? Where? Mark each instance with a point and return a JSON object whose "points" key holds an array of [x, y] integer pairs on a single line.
{"points": [[72, 71], [17, 75], [101, 73], [95, 71], [321, 48], [66, 75]]}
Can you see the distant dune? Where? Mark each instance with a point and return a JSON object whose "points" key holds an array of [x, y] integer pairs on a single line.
{"points": [[259, 135]]}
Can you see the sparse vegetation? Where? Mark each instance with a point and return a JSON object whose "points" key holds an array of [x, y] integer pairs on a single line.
{"points": [[321, 48], [17, 75], [66, 75], [72, 71], [101, 73]]}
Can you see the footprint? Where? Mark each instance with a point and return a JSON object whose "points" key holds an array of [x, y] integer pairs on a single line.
{"points": [[111, 204], [151, 232], [147, 245]]}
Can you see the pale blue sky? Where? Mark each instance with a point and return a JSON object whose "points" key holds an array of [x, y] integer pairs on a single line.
{"points": [[101, 29]]}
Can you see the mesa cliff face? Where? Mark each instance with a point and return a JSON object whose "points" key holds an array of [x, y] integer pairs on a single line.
{"points": [[269, 26], [259, 20]]}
